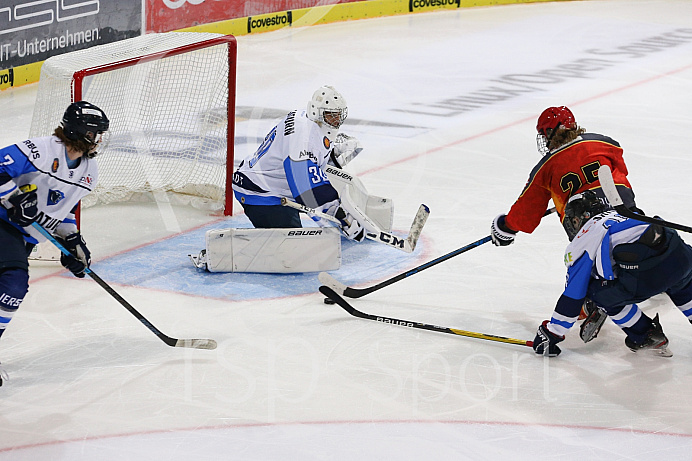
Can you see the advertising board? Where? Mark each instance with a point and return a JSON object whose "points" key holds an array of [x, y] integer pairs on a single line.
{"points": [[34, 30], [167, 15]]}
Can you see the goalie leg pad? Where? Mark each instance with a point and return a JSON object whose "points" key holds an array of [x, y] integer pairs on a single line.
{"points": [[273, 250]]}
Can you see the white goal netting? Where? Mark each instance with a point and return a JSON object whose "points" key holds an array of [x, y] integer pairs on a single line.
{"points": [[167, 98]]}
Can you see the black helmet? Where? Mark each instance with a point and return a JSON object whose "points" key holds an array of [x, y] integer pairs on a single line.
{"points": [[85, 122], [579, 209]]}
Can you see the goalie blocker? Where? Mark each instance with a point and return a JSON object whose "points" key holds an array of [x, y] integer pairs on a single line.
{"points": [[270, 250], [378, 210]]}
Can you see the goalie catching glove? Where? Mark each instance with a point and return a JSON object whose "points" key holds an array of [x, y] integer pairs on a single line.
{"points": [[346, 148], [80, 259]]}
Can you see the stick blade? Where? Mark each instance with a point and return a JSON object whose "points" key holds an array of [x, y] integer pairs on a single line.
{"points": [[196, 343], [331, 294], [605, 177], [331, 282], [417, 227]]}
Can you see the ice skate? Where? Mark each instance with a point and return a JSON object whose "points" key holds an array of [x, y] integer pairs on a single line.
{"points": [[200, 262], [594, 318], [655, 341]]}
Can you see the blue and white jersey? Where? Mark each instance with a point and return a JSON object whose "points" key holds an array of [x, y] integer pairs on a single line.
{"points": [[289, 163], [43, 162], [590, 255]]}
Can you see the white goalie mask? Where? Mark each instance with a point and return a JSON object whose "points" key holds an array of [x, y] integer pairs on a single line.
{"points": [[328, 109]]}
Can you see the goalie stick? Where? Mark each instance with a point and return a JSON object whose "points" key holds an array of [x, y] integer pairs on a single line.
{"points": [[349, 292], [331, 294], [407, 244], [173, 342], [610, 190]]}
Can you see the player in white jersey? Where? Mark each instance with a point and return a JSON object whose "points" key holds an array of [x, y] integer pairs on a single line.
{"points": [[42, 180], [618, 262], [291, 162]]}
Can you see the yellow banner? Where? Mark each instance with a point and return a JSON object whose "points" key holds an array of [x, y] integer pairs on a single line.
{"points": [[341, 12]]}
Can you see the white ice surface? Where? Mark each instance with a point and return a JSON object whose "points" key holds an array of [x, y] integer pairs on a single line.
{"points": [[293, 378]]}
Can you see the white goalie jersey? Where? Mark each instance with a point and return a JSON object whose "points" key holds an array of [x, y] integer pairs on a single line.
{"points": [[289, 163]]}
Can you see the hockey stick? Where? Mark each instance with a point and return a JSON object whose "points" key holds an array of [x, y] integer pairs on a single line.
{"points": [[349, 292], [407, 244], [610, 190], [331, 294], [173, 342]]}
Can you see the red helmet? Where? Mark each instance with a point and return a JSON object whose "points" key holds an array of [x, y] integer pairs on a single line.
{"points": [[553, 117]]}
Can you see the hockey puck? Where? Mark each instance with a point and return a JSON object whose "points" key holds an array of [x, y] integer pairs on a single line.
{"points": [[329, 301]]}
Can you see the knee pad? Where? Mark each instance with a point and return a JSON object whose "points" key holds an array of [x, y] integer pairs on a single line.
{"points": [[14, 284]]}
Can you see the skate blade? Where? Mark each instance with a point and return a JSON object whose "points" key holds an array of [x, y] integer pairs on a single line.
{"points": [[200, 262], [657, 351], [662, 352]]}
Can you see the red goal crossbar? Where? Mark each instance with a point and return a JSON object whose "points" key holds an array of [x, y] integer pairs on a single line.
{"points": [[231, 42]]}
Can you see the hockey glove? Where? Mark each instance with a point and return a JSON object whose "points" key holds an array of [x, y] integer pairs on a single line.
{"points": [[346, 148], [350, 226], [545, 342], [500, 233], [80, 258], [24, 209]]}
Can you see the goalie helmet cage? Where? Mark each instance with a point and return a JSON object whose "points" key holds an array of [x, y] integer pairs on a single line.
{"points": [[170, 98]]}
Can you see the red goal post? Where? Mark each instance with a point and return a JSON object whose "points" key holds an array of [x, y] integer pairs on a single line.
{"points": [[170, 98]]}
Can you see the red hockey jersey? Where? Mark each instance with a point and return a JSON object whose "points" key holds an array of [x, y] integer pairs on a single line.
{"points": [[563, 173]]}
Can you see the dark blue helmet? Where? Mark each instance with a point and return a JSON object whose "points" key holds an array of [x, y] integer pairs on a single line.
{"points": [[85, 122], [579, 209]]}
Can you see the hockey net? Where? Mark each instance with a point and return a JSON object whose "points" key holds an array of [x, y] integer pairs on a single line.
{"points": [[170, 99]]}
